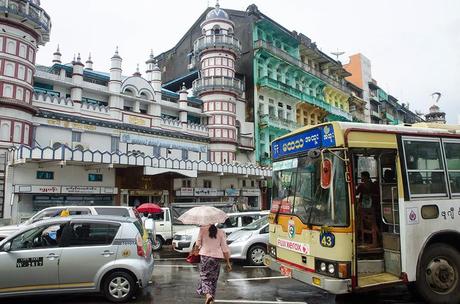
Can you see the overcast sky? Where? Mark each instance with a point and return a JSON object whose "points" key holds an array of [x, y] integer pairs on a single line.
{"points": [[413, 44]]}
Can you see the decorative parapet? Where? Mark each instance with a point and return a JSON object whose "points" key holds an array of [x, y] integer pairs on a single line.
{"points": [[53, 99], [29, 13], [22, 154], [197, 127], [217, 41], [222, 83], [171, 122]]}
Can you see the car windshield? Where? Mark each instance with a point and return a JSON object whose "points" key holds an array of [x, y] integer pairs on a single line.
{"points": [[297, 186], [256, 225]]}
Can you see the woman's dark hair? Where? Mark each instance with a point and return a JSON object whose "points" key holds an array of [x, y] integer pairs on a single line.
{"points": [[212, 231]]}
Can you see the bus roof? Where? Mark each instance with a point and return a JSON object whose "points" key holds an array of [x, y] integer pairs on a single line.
{"points": [[333, 134], [424, 128]]}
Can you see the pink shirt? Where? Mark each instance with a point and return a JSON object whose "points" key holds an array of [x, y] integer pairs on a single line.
{"points": [[212, 247]]}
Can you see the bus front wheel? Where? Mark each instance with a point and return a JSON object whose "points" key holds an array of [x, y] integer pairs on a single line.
{"points": [[438, 274]]}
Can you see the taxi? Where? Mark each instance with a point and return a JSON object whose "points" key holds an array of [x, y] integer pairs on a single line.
{"points": [[76, 254]]}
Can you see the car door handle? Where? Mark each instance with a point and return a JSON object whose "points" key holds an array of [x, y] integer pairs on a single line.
{"points": [[162, 224], [52, 256], [107, 253]]}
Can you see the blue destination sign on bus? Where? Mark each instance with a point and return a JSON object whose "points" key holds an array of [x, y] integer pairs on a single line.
{"points": [[322, 137]]}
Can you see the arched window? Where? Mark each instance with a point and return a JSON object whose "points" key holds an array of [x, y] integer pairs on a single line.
{"points": [[5, 131], [7, 90], [21, 72], [11, 47], [17, 132], [129, 92], [9, 69], [22, 51]]}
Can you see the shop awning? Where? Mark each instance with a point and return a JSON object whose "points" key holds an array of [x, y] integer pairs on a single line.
{"points": [[156, 171]]}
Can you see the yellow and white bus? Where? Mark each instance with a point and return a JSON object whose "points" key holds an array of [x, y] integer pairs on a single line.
{"points": [[359, 206]]}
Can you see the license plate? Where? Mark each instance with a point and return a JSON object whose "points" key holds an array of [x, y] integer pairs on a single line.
{"points": [[287, 272]]}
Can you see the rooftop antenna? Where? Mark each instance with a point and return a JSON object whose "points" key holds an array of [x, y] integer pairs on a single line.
{"points": [[337, 54]]}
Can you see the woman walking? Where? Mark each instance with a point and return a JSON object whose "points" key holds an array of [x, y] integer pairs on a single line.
{"points": [[212, 246]]}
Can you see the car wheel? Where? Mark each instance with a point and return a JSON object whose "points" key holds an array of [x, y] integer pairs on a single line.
{"points": [[256, 255], [438, 274], [157, 243], [119, 287]]}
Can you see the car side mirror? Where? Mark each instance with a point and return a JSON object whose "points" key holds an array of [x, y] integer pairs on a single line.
{"points": [[6, 247]]}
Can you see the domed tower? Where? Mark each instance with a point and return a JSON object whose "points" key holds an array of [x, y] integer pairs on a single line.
{"points": [[25, 26], [435, 115], [217, 50]]}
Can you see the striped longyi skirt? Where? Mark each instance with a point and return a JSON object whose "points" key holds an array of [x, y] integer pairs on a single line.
{"points": [[209, 274]]}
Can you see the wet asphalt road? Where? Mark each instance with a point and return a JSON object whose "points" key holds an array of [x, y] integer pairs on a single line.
{"points": [[174, 282]]}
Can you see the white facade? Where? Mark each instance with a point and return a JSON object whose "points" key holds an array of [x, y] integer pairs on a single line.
{"points": [[107, 138]]}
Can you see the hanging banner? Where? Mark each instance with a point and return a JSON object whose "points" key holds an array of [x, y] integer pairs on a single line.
{"points": [[163, 143]]}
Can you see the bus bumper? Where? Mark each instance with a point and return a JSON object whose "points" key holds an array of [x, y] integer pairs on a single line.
{"points": [[332, 285]]}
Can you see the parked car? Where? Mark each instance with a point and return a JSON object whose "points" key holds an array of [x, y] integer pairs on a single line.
{"points": [[77, 254], [250, 243], [165, 229], [73, 210], [184, 241]]}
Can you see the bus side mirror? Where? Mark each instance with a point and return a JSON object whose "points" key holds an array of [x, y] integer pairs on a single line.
{"points": [[326, 173]]}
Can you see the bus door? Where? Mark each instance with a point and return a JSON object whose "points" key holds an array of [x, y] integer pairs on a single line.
{"points": [[377, 216]]}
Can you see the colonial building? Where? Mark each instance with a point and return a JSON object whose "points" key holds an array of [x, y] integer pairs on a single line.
{"points": [[381, 107], [72, 135], [288, 81]]}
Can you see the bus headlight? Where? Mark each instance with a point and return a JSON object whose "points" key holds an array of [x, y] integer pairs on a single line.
{"points": [[323, 267], [340, 270], [331, 268]]}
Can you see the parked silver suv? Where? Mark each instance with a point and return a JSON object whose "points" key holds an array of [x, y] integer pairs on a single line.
{"points": [[104, 254]]}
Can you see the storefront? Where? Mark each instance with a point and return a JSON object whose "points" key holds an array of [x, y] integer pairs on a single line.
{"points": [[243, 199], [33, 198]]}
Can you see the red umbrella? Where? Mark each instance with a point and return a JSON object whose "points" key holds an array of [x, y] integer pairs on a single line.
{"points": [[149, 208]]}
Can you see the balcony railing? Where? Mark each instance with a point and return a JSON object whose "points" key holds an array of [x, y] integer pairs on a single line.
{"points": [[217, 41], [297, 62], [28, 11], [280, 123], [278, 85], [49, 92], [223, 83]]}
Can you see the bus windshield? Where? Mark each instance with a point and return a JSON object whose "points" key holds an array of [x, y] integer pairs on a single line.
{"points": [[298, 183]]}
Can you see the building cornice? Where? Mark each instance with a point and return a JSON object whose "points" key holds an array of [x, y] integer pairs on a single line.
{"points": [[121, 126]]}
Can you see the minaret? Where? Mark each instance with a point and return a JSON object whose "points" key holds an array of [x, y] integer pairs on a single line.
{"points": [[89, 63], [115, 81], [137, 73], [77, 79], [154, 75], [24, 26], [217, 50], [57, 56], [183, 104]]}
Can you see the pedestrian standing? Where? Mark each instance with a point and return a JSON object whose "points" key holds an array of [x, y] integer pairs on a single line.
{"points": [[212, 246]]}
